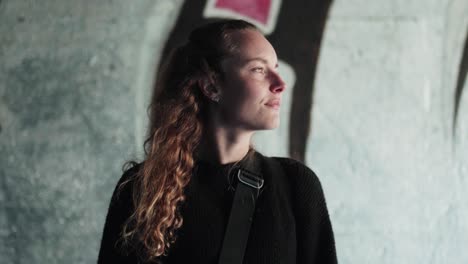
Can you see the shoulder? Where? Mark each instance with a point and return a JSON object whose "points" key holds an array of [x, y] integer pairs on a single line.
{"points": [[290, 163], [295, 168], [304, 179], [124, 188], [130, 171], [307, 189]]}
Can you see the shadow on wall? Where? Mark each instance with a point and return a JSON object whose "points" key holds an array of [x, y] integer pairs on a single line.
{"points": [[461, 80]]}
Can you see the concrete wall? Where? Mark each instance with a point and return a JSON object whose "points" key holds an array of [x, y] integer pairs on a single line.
{"points": [[71, 110], [74, 83], [394, 176]]}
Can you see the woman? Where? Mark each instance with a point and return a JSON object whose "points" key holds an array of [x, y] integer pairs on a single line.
{"points": [[210, 97]]}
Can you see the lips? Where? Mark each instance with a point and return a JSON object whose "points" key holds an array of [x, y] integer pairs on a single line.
{"points": [[274, 103]]}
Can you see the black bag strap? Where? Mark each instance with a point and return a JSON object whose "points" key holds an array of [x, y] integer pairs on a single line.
{"points": [[240, 219], [250, 183]]}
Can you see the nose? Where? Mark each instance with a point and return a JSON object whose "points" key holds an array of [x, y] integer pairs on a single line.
{"points": [[277, 83]]}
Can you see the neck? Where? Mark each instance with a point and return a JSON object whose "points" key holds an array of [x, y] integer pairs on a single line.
{"points": [[224, 145]]}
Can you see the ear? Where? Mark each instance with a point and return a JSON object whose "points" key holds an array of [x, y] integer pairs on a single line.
{"points": [[209, 88]]}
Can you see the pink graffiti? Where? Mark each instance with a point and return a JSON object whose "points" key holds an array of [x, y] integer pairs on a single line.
{"points": [[258, 10]]}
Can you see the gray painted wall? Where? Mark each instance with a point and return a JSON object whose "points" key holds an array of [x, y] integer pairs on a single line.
{"points": [[74, 83]]}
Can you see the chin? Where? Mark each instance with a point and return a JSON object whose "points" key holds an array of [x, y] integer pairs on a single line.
{"points": [[264, 123], [270, 125]]}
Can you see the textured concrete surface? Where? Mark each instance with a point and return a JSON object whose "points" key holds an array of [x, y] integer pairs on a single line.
{"points": [[74, 79], [394, 177], [70, 106]]}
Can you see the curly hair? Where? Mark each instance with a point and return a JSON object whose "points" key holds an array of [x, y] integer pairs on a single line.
{"points": [[177, 114]]}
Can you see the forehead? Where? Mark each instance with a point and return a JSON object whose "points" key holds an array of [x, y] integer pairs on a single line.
{"points": [[251, 44]]}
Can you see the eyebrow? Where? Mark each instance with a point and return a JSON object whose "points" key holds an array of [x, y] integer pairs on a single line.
{"points": [[259, 59]]}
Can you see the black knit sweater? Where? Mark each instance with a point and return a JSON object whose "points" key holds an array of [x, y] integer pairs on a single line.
{"points": [[291, 223]]}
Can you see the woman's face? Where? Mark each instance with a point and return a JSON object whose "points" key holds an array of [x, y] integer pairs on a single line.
{"points": [[251, 88]]}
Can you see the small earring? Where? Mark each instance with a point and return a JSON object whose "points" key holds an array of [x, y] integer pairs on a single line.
{"points": [[215, 98]]}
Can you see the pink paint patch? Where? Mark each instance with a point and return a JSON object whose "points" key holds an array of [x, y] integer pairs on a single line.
{"points": [[258, 10]]}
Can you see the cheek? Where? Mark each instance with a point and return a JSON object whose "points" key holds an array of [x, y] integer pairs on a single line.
{"points": [[245, 100], [244, 92], [250, 91]]}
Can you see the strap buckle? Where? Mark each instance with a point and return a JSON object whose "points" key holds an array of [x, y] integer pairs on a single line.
{"points": [[250, 179]]}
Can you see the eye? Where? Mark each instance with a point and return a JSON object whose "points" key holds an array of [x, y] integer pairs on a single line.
{"points": [[258, 69]]}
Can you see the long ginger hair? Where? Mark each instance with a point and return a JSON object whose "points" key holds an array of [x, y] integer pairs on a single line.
{"points": [[177, 114]]}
